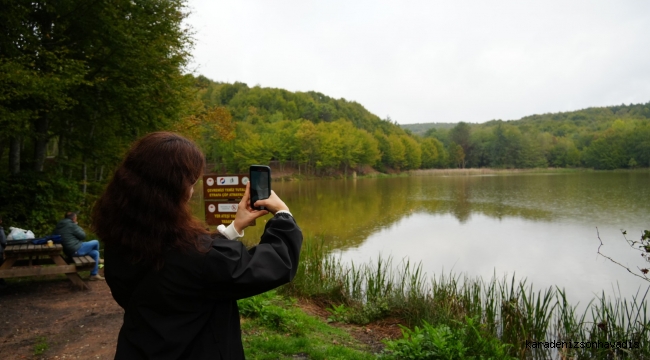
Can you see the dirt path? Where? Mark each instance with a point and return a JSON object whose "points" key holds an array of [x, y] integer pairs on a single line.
{"points": [[65, 322]]}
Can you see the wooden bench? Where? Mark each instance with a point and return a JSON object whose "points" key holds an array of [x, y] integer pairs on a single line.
{"points": [[29, 260], [83, 262]]}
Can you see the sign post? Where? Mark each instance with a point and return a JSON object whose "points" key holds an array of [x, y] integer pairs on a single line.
{"points": [[221, 197]]}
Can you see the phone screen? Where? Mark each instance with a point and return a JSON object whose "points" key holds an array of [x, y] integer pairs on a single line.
{"points": [[260, 183]]}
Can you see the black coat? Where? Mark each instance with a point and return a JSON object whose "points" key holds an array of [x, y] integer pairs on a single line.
{"points": [[188, 309]]}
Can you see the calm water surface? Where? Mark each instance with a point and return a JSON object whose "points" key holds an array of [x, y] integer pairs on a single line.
{"points": [[541, 227]]}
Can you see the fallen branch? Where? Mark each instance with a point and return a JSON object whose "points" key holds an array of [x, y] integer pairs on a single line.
{"points": [[618, 263]]}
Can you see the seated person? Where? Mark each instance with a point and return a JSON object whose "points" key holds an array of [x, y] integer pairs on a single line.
{"points": [[72, 236]]}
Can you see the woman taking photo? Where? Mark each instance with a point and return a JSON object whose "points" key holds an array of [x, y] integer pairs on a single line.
{"points": [[178, 283]]}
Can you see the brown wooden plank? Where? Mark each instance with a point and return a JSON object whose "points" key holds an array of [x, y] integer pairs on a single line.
{"points": [[84, 262], [8, 263], [43, 260], [76, 279], [37, 271], [58, 259]]}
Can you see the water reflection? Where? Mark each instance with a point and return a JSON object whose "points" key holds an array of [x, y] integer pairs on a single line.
{"points": [[541, 226]]}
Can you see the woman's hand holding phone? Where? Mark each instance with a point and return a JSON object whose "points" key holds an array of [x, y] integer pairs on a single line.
{"points": [[272, 204], [246, 215]]}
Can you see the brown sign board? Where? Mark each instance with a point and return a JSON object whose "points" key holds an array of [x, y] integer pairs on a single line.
{"points": [[218, 212], [221, 196], [224, 187]]}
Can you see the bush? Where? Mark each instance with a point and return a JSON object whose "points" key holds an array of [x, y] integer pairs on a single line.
{"points": [[264, 307], [463, 341]]}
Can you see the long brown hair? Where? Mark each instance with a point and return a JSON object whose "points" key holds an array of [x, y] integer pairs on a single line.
{"points": [[144, 210]]}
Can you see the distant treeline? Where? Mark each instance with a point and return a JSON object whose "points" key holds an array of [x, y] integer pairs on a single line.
{"points": [[318, 134], [322, 135]]}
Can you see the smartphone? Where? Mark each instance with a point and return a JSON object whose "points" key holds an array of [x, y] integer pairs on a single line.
{"points": [[260, 178]]}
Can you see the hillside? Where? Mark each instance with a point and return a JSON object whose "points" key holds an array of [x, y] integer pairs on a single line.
{"points": [[421, 128], [310, 131], [320, 135]]}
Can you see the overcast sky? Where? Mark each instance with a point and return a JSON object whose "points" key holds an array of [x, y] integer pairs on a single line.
{"points": [[433, 61]]}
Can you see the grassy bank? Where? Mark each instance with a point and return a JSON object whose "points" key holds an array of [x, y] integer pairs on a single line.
{"points": [[497, 316], [274, 328]]}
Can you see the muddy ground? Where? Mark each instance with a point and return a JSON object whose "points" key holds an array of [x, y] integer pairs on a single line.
{"points": [[58, 321]]}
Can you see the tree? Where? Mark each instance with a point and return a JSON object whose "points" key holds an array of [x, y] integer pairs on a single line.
{"points": [[90, 74], [413, 152], [456, 156], [79, 81], [460, 134], [430, 155]]}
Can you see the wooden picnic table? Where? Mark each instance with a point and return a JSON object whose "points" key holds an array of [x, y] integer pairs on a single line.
{"points": [[34, 260]]}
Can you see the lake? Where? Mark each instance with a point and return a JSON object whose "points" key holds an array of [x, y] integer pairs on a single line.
{"points": [[538, 226]]}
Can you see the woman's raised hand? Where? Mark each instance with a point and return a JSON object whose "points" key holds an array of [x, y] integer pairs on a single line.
{"points": [[246, 215], [272, 204]]}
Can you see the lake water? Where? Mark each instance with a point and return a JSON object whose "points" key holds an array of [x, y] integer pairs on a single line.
{"points": [[538, 226]]}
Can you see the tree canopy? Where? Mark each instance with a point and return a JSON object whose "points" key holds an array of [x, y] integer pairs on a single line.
{"points": [[80, 80]]}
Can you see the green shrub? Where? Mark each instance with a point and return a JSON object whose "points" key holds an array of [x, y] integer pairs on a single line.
{"points": [[265, 308], [465, 340]]}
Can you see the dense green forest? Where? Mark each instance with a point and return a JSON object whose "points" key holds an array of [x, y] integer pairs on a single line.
{"points": [[80, 81], [600, 138], [313, 132], [324, 136]]}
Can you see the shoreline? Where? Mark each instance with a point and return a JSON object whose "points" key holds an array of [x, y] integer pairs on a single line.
{"points": [[294, 176]]}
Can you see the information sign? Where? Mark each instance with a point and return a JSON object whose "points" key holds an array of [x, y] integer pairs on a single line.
{"points": [[217, 213], [224, 187], [221, 197]]}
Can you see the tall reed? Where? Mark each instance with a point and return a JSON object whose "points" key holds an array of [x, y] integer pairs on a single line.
{"points": [[507, 309]]}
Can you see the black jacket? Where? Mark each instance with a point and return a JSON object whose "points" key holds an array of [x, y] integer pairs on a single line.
{"points": [[188, 309]]}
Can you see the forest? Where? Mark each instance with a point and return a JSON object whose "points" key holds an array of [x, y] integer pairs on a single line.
{"points": [[80, 81], [324, 136]]}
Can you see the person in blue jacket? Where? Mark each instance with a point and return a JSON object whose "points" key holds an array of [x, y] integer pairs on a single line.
{"points": [[72, 239]]}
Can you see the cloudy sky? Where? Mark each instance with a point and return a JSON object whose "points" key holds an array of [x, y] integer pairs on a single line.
{"points": [[433, 61]]}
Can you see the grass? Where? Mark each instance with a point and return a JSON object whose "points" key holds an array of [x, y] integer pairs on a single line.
{"points": [[41, 345], [274, 328], [507, 310]]}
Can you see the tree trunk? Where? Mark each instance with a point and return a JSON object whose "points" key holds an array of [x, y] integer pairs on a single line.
{"points": [[62, 146], [14, 155], [40, 142], [85, 171], [3, 145], [85, 158]]}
